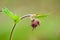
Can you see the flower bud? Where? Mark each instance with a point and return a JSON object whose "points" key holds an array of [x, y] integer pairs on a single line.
{"points": [[35, 23]]}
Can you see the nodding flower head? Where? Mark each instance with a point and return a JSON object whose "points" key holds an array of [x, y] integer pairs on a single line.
{"points": [[35, 23]]}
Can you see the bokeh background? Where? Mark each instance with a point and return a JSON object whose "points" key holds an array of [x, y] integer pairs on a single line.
{"points": [[49, 28]]}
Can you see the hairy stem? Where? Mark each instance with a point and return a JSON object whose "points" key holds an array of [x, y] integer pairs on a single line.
{"points": [[12, 31], [28, 15]]}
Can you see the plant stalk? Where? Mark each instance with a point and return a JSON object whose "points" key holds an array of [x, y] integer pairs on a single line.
{"points": [[12, 31]]}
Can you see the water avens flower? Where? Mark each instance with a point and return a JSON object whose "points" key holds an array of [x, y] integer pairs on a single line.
{"points": [[35, 23]]}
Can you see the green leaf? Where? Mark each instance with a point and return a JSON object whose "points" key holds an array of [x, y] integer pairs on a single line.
{"points": [[7, 12], [41, 15], [10, 14]]}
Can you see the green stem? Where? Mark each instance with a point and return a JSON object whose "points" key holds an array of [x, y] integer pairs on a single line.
{"points": [[12, 31]]}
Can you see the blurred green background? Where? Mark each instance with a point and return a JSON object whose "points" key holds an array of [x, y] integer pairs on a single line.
{"points": [[49, 28]]}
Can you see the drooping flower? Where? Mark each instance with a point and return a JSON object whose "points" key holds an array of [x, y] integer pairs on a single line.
{"points": [[35, 23]]}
